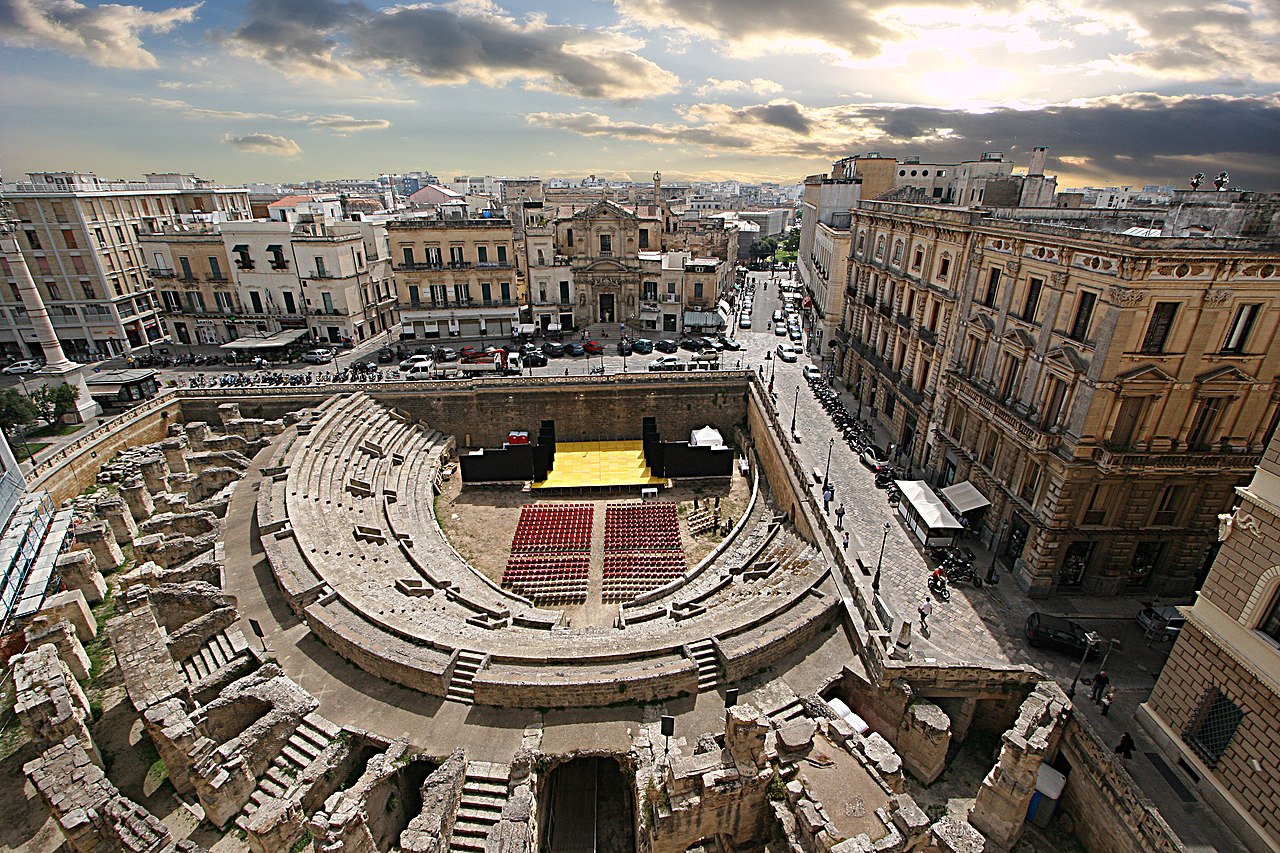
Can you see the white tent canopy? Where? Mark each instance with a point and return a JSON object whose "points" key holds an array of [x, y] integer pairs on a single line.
{"points": [[926, 514], [708, 436], [964, 497]]}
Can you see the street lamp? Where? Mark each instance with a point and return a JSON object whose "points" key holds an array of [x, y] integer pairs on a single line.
{"points": [[875, 581], [857, 393], [992, 577], [826, 477], [794, 406], [1092, 639]]}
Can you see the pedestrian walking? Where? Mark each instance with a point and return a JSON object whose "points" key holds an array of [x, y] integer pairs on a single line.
{"points": [[1107, 699], [846, 547], [1124, 748], [926, 610], [1100, 682], [840, 516], [827, 497]]}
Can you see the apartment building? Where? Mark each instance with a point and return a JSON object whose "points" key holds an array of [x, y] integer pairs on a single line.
{"points": [[81, 236], [1104, 389], [823, 256], [548, 276], [456, 277], [192, 272], [1213, 711]]}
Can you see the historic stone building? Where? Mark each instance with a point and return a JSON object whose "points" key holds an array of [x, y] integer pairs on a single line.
{"points": [[456, 277], [603, 242], [1106, 381], [1214, 709], [192, 272]]}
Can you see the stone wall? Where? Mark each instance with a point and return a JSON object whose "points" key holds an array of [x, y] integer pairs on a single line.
{"points": [[786, 479]]}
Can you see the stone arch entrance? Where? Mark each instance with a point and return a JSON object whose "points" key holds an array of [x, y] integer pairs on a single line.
{"points": [[588, 805], [608, 312]]}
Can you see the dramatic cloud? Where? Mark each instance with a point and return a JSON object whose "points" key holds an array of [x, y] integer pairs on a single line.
{"points": [[1153, 138], [345, 124], [460, 43], [264, 143], [107, 35]]}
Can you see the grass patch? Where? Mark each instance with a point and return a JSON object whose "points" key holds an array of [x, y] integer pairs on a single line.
{"points": [[26, 449], [777, 789], [157, 775], [303, 843], [54, 430]]}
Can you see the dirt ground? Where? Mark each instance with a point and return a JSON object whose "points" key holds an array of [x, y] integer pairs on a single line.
{"points": [[481, 521]]}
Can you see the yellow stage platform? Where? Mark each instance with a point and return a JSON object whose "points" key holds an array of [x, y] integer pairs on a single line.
{"points": [[597, 464]]}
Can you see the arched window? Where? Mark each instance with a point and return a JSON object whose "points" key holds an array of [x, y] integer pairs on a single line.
{"points": [[880, 247], [897, 252]]}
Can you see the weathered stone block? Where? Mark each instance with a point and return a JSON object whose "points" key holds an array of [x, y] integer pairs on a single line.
{"points": [[100, 539], [62, 635], [70, 604], [115, 512], [135, 494], [79, 570]]}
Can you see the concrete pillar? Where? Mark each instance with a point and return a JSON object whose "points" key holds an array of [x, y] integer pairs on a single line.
{"points": [[175, 450], [116, 513], [62, 636], [79, 571], [197, 434], [102, 542], [135, 494], [155, 473]]}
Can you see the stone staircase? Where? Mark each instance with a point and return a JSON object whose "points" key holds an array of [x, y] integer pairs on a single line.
{"points": [[704, 655], [483, 794], [464, 672], [222, 648], [313, 734]]}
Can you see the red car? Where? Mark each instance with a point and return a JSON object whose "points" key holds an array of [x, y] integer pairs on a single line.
{"points": [[593, 348], [467, 350]]}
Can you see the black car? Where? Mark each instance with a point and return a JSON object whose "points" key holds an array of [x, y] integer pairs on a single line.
{"points": [[1055, 632], [666, 345], [642, 346], [534, 358], [573, 348], [624, 348], [553, 349], [386, 356], [729, 343], [695, 344]]}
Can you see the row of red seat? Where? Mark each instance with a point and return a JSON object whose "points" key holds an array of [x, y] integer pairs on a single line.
{"points": [[663, 540], [553, 527]]}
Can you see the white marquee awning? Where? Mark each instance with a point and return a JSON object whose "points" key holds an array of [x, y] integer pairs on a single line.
{"points": [[964, 497], [928, 506]]}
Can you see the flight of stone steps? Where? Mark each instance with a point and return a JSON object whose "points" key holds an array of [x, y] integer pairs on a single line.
{"points": [[704, 655], [222, 648], [464, 672], [311, 737], [483, 794]]}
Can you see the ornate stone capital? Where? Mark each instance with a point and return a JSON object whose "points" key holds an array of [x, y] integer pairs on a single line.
{"points": [[1216, 297], [1058, 279], [1125, 297]]}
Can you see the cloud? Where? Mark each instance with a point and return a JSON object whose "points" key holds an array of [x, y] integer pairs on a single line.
{"points": [[201, 112], [471, 41], [345, 124], [264, 143], [108, 35], [1144, 136], [757, 85]]}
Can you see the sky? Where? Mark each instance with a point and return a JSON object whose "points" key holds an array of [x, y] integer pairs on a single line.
{"points": [[1123, 93]]}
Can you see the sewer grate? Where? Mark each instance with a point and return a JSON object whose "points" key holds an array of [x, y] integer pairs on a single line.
{"points": [[1184, 793]]}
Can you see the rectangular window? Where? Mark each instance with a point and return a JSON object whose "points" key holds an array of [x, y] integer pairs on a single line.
{"points": [[69, 238], [455, 255], [502, 254], [1204, 425], [225, 304], [974, 359], [697, 290], [505, 287], [1009, 377], [185, 264], [1238, 334], [650, 291], [33, 240], [1210, 731], [564, 293], [321, 272], [606, 244], [482, 254], [195, 302], [1158, 329], [215, 269], [290, 306], [486, 292], [1095, 512], [1030, 480], [1127, 421], [255, 300], [993, 287], [119, 234], [408, 255], [413, 294], [1084, 315], [1034, 287], [433, 256], [327, 299], [990, 448], [644, 238], [1055, 396], [944, 266], [172, 300], [1170, 503]]}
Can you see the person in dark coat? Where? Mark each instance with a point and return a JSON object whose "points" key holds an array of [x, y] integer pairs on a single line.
{"points": [[1124, 748]]}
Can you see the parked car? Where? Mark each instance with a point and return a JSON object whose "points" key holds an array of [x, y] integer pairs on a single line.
{"points": [[777, 316], [535, 358], [796, 335], [642, 346], [728, 343], [666, 345], [779, 330], [466, 351], [666, 362], [694, 344], [812, 371], [446, 354], [624, 347], [744, 321], [787, 352], [415, 359], [386, 356], [314, 356], [529, 347], [1151, 618], [593, 348], [574, 348], [874, 458], [553, 349], [1055, 632]]}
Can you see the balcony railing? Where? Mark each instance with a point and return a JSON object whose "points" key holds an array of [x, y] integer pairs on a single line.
{"points": [[1109, 460], [902, 320], [163, 273], [434, 304], [979, 397], [885, 310], [928, 336]]}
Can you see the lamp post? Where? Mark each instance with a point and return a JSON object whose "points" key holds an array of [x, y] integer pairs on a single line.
{"points": [[26, 446], [826, 476], [794, 406], [857, 393], [875, 581], [992, 577], [1092, 639]]}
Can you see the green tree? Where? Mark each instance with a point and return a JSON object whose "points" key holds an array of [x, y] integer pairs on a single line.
{"points": [[51, 404], [792, 241], [763, 248], [15, 411]]}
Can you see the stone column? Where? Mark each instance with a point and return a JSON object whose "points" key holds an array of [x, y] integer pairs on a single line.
{"points": [[135, 494], [228, 412], [923, 739], [48, 702], [117, 514], [745, 730], [62, 636], [102, 542], [175, 450], [197, 434], [79, 571], [155, 473]]}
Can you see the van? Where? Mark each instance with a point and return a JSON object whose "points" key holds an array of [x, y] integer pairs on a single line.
{"points": [[420, 370]]}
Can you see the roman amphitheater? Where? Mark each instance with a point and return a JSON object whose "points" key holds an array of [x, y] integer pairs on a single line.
{"points": [[320, 619]]}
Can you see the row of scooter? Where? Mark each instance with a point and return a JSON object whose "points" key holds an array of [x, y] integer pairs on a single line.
{"points": [[856, 433], [955, 565], [281, 379]]}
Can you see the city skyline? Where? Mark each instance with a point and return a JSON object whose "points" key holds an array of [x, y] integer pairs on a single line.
{"points": [[713, 89]]}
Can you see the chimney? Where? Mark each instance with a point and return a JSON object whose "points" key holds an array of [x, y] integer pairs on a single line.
{"points": [[1037, 160]]}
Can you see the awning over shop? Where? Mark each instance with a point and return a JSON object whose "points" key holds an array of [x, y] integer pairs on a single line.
{"points": [[925, 513], [703, 318], [277, 339], [964, 497]]}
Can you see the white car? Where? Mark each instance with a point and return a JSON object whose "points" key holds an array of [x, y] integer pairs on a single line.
{"points": [[812, 371], [318, 356], [796, 335], [744, 322], [24, 366], [788, 353], [779, 330], [667, 362], [419, 358]]}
